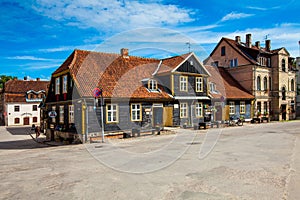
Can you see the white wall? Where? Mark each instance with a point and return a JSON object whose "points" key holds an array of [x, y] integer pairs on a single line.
{"points": [[25, 111]]}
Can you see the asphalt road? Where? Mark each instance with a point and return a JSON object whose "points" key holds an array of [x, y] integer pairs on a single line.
{"points": [[260, 161]]}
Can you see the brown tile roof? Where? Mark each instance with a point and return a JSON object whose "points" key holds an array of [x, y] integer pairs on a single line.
{"points": [[118, 76], [226, 85], [169, 64], [15, 90]]}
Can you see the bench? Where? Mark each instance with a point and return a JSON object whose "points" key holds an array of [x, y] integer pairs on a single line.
{"points": [[137, 132]]}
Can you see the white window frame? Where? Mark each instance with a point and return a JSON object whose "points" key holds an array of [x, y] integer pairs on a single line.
{"points": [[57, 85], [242, 107], [112, 113], [152, 84], [199, 84], [71, 113], [136, 112], [33, 106], [184, 110], [231, 107], [199, 109], [65, 84], [61, 114], [183, 86]]}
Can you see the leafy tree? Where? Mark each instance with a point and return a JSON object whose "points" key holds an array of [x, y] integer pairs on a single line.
{"points": [[4, 79]]}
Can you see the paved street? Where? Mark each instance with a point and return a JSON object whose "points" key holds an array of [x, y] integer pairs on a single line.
{"points": [[260, 161]]}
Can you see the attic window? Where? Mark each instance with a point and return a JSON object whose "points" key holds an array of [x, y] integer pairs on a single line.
{"points": [[262, 61], [191, 62], [223, 51], [152, 84]]}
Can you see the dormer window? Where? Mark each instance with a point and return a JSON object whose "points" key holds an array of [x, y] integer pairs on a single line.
{"points": [[262, 61], [152, 84], [212, 87]]}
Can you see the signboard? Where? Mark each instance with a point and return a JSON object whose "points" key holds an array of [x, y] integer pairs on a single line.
{"points": [[97, 92], [52, 114]]}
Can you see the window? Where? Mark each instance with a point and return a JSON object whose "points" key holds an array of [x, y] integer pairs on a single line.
{"points": [[258, 83], [234, 62], [265, 83], [65, 84], [71, 114], [283, 94], [17, 120], [183, 83], [183, 110], [292, 85], [136, 114], [199, 110], [61, 114], [270, 83], [242, 107], [54, 118], [212, 87], [34, 119], [231, 108], [269, 62], [223, 51], [30, 96], [258, 108], [17, 109], [34, 108], [283, 65], [262, 61], [112, 113], [57, 86], [265, 107], [152, 84], [199, 84]]}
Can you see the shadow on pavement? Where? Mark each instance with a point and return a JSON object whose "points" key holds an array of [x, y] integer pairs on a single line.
{"points": [[19, 130], [22, 144]]}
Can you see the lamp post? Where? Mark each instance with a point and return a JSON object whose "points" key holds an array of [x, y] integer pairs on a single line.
{"points": [[102, 121], [99, 93]]}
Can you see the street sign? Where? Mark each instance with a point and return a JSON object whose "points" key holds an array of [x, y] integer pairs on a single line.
{"points": [[52, 114], [97, 92]]}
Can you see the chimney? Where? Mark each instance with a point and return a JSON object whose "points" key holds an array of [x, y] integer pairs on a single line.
{"points": [[25, 78], [268, 45], [124, 53], [257, 44], [238, 39], [38, 79], [248, 40]]}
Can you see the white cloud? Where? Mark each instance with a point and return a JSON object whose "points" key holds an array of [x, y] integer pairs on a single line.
{"points": [[113, 15], [263, 8], [28, 58], [234, 15]]}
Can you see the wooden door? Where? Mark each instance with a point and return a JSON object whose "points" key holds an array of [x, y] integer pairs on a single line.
{"points": [[26, 120], [157, 116], [168, 116]]}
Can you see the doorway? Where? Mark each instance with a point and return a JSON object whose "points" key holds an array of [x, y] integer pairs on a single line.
{"points": [[26, 121], [283, 112]]}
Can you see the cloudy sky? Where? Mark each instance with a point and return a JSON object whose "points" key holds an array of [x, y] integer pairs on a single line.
{"points": [[38, 35]]}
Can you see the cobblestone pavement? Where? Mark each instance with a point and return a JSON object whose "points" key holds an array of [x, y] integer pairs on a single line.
{"points": [[259, 161]]}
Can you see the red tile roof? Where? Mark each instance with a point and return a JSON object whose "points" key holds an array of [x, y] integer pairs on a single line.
{"points": [[15, 90], [118, 76], [226, 85]]}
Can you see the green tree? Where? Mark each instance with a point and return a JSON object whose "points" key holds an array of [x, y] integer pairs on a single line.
{"points": [[4, 79]]}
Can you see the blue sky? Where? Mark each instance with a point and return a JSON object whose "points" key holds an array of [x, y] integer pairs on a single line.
{"points": [[38, 35]]}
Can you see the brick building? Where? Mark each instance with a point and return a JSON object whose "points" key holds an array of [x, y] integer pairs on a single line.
{"points": [[266, 73]]}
